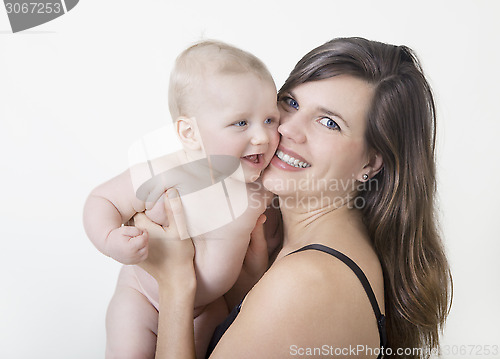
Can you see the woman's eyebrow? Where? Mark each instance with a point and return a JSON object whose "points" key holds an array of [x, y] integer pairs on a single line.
{"points": [[289, 94], [323, 110], [332, 113]]}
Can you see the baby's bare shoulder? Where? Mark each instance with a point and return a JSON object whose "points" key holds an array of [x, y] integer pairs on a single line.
{"points": [[167, 162]]}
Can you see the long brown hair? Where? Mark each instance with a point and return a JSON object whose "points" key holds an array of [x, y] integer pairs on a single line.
{"points": [[399, 210]]}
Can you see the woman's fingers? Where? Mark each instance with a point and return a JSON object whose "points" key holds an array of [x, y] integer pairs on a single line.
{"points": [[177, 225], [153, 229], [258, 237], [140, 220], [176, 214], [143, 222], [154, 196]]}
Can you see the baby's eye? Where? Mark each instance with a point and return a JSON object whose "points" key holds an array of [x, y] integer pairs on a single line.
{"points": [[291, 102], [269, 121], [329, 123], [241, 123]]}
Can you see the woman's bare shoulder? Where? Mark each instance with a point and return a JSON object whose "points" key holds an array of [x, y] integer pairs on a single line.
{"points": [[304, 300], [302, 274]]}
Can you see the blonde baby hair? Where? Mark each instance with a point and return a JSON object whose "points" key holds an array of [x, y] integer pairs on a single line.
{"points": [[202, 60]]}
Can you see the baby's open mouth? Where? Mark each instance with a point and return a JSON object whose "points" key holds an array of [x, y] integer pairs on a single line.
{"points": [[255, 158]]}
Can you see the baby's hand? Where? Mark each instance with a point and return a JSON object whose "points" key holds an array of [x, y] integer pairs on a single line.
{"points": [[127, 245]]}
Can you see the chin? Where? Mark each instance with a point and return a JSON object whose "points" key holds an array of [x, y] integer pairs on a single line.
{"points": [[251, 178], [246, 176], [274, 181], [251, 174]]}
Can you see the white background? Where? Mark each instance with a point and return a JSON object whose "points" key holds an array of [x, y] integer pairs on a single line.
{"points": [[76, 92]]}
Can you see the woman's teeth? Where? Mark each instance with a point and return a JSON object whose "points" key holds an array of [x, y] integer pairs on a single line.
{"points": [[291, 160]]}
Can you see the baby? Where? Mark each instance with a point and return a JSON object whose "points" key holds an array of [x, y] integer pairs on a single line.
{"points": [[223, 102]]}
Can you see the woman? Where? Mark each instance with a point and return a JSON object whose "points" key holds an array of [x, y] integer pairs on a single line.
{"points": [[361, 115]]}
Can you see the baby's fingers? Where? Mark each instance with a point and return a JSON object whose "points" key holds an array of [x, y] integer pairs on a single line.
{"points": [[139, 242], [131, 231]]}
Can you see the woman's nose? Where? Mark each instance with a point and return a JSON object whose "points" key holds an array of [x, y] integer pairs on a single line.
{"points": [[292, 129]]}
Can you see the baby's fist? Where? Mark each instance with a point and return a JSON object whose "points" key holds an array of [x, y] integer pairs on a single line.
{"points": [[127, 245]]}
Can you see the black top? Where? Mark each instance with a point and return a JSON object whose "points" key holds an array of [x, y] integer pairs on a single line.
{"points": [[221, 329]]}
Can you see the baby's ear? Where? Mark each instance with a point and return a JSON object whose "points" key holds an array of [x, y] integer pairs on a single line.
{"points": [[188, 133]]}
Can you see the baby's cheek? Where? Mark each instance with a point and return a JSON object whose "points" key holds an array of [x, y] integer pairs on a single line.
{"points": [[276, 139], [157, 213]]}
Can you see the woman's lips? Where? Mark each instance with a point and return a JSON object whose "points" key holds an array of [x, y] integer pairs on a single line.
{"points": [[293, 160], [289, 161]]}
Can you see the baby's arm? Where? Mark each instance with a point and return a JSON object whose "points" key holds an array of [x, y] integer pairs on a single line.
{"points": [[108, 207]]}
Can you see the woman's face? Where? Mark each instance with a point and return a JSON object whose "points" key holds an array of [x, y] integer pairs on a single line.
{"points": [[322, 126]]}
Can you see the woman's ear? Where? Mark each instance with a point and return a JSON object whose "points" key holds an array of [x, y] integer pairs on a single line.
{"points": [[187, 131], [374, 166]]}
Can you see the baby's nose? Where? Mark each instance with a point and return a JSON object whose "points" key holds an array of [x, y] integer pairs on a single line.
{"points": [[259, 137]]}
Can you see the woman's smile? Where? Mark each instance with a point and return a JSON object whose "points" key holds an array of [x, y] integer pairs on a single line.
{"points": [[289, 160]]}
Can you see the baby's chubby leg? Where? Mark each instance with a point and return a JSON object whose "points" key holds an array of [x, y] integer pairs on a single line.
{"points": [[131, 321], [205, 321]]}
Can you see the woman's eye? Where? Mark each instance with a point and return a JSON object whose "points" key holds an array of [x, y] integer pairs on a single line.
{"points": [[329, 123], [291, 102], [241, 123]]}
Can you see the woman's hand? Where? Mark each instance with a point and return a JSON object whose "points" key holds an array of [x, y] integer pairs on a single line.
{"points": [[256, 259], [170, 261], [171, 250], [265, 241]]}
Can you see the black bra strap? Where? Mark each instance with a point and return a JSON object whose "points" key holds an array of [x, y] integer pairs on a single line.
{"points": [[362, 278]]}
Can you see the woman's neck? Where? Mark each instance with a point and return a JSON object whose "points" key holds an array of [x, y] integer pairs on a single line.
{"points": [[303, 226]]}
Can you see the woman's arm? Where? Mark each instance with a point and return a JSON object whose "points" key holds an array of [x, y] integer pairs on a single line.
{"points": [[170, 261], [175, 324]]}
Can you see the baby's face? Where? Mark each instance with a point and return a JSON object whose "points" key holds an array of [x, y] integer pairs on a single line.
{"points": [[237, 115]]}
